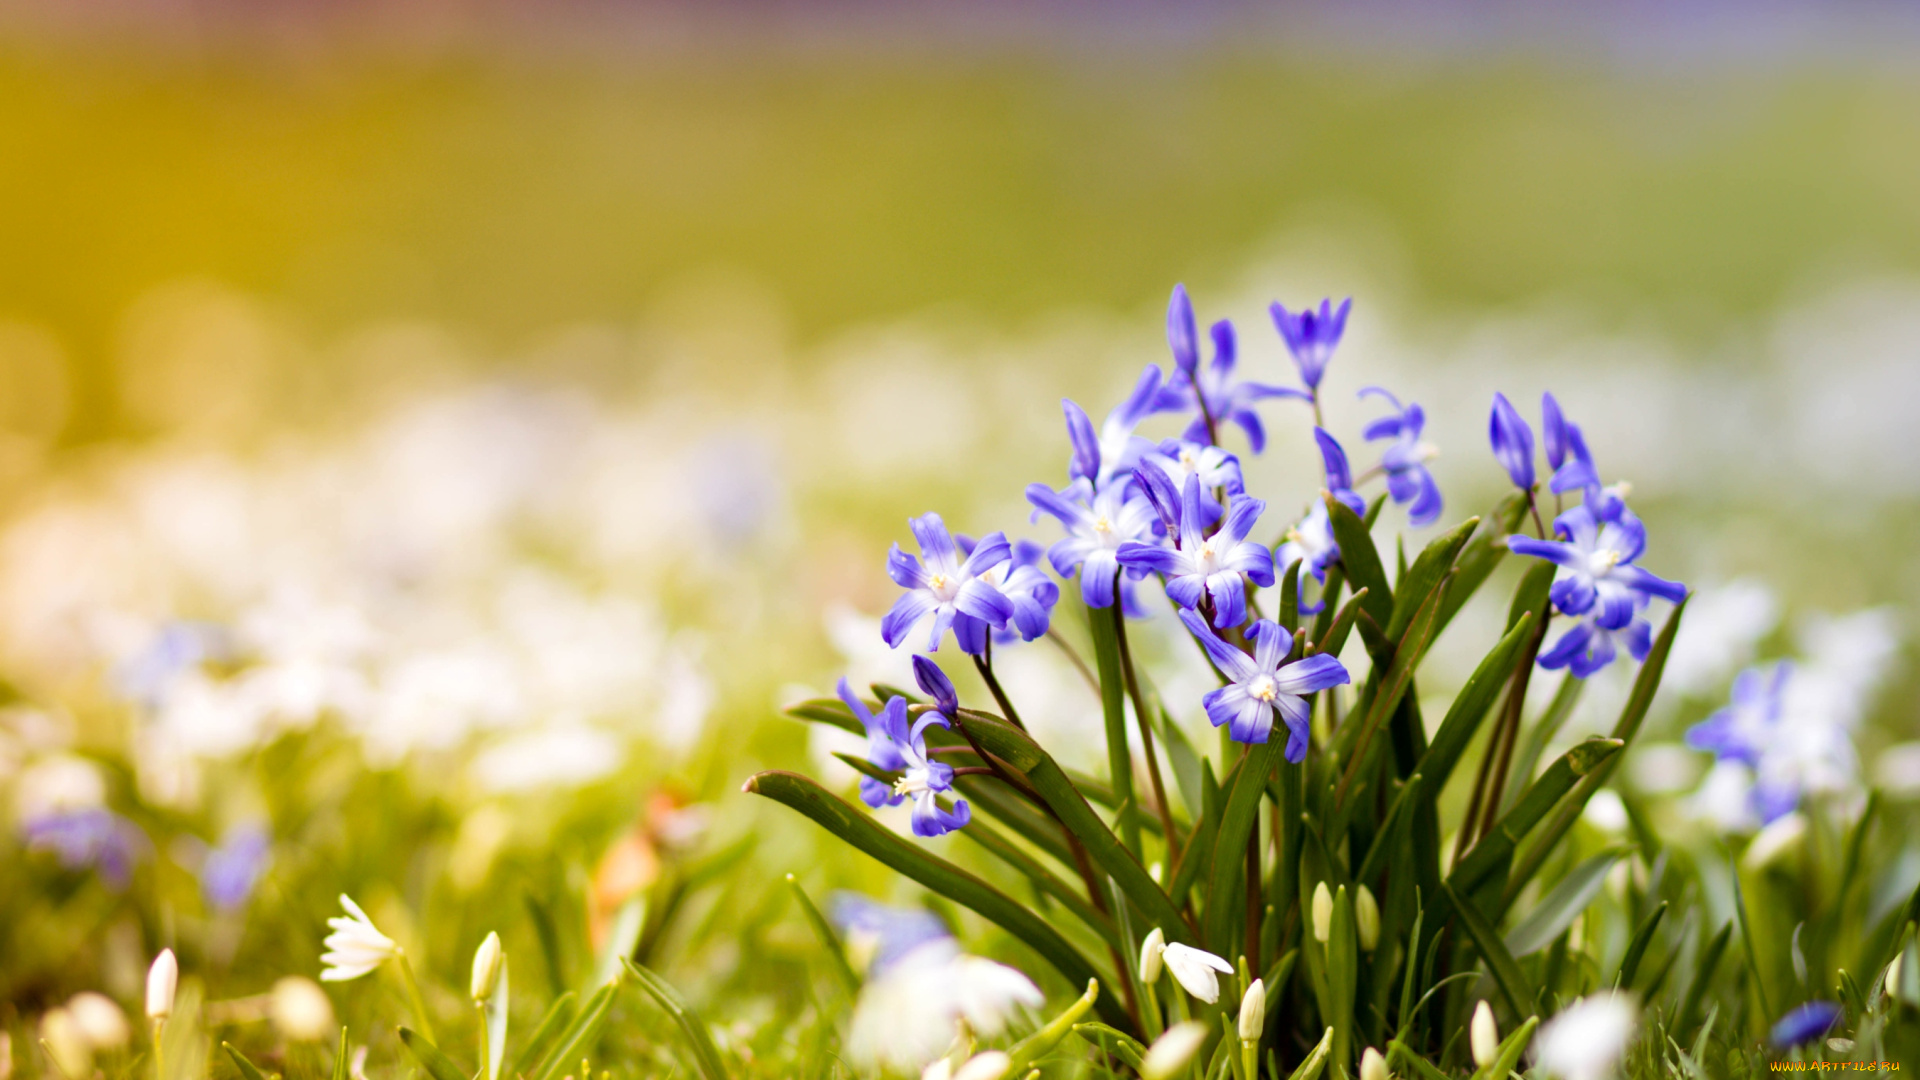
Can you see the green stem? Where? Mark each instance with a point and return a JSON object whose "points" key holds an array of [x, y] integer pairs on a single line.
{"points": [[159, 1060], [414, 1001], [1146, 735], [984, 662]]}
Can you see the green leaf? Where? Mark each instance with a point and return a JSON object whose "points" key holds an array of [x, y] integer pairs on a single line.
{"points": [[342, 1066], [1496, 848], [1482, 555], [1335, 636], [1181, 757], [1124, 1046], [574, 1041], [548, 932], [438, 1065], [549, 1029], [1506, 973], [829, 940], [1399, 1054], [1198, 854], [1535, 589], [1542, 733], [1316, 1059], [1645, 685], [1509, 1052], [1343, 974], [1425, 575], [864, 834], [1470, 706], [1113, 711], [1023, 754], [1408, 652], [1017, 814], [1290, 598], [1709, 959], [1329, 603], [1043, 879], [705, 1055], [1361, 559], [1754, 972], [252, 1072], [1237, 820], [1637, 948], [1392, 830], [1035, 1046], [1565, 903]]}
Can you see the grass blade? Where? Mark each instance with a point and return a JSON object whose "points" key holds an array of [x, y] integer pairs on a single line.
{"points": [[1238, 817], [1429, 567], [559, 1015], [705, 1054], [252, 1072], [1637, 948], [438, 1065], [1361, 559], [578, 1036], [1564, 904], [829, 940], [1113, 712], [1496, 848], [1506, 972], [1709, 960], [1043, 879]]}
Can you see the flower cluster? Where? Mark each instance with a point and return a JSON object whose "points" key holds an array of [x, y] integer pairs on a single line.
{"points": [[1595, 545]]}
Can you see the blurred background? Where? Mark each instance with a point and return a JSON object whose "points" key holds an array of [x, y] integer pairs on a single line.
{"points": [[438, 436]]}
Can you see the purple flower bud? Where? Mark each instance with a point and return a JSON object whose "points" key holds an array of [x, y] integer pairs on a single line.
{"points": [[1086, 445], [1553, 430], [935, 684], [1805, 1024], [1311, 336], [1180, 331], [1512, 442]]}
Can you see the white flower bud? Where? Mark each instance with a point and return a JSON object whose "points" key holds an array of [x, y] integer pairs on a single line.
{"points": [[99, 1020], [1372, 1065], [1366, 918], [163, 978], [1322, 913], [487, 960], [300, 1010], [1253, 1012], [1172, 1052], [1150, 950], [1774, 841], [1893, 975], [1483, 1035], [1195, 970], [991, 1065], [65, 1042]]}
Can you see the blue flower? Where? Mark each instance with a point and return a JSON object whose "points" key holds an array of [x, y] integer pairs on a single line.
{"points": [[1262, 683], [878, 935], [1199, 567], [1213, 388], [1097, 525], [1025, 585], [1311, 544], [884, 734], [1805, 1024], [925, 779], [1596, 566], [1573, 467], [92, 837], [1742, 729], [1587, 646], [1553, 431], [945, 588], [1513, 441], [177, 647], [1339, 473], [1178, 459], [1181, 338], [1097, 458], [1405, 462], [230, 871], [1311, 336]]}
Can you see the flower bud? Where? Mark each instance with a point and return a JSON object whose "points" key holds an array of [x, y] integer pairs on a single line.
{"points": [[1253, 1011], [1172, 1052], [300, 1010], [991, 1065], [1196, 970], [99, 1021], [1372, 1065], [1483, 1036], [6, 1056], [1322, 913], [162, 979], [487, 961], [1151, 951], [1893, 975], [1775, 841], [1366, 918]]}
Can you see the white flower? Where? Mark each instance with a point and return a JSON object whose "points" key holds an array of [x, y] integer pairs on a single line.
{"points": [[487, 963], [1150, 954], [1606, 812], [1587, 1039], [355, 947], [991, 1065], [1483, 1035], [1322, 913], [300, 1010], [162, 979], [1372, 1065], [1253, 1011], [1775, 841], [907, 1012], [1897, 771], [1194, 969], [1366, 918], [1172, 1052], [65, 1042]]}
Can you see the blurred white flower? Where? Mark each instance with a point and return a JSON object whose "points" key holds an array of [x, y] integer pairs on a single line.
{"points": [[1723, 624], [906, 1014], [991, 1065], [355, 947], [1663, 768], [98, 1020], [1897, 770], [163, 978], [566, 756], [300, 1010], [1173, 1051], [64, 1040], [1605, 811], [1195, 970], [1780, 837], [1587, 1039]]}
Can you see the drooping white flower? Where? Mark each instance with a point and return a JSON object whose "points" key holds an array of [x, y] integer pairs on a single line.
{"points": [[1587, 1039], [1194, 969], [1483, 1036], [355, 947], [162, 979], [1173, 1051], [906, 1014], [991, 1065]]}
